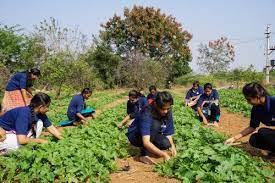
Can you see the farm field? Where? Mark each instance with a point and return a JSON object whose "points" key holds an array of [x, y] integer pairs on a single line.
{"points": [[92, 153]]}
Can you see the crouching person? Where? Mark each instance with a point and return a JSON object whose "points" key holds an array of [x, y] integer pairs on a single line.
{"points": [[23, 125], [208, 106], [153, 128], [77, 105]]}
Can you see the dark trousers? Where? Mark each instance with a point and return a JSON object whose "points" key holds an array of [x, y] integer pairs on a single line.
{"points": [[213, 114], [264, 139], [158, 139]]}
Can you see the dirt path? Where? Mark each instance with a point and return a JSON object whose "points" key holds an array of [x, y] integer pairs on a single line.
{"points": [[138, 173]]}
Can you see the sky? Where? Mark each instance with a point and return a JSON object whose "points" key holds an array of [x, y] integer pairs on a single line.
{"points": [[243, 22]]}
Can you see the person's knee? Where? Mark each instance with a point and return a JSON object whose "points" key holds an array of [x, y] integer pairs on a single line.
{"points": [[264, 130], [165, 144], [254, 139], [135, 140]]}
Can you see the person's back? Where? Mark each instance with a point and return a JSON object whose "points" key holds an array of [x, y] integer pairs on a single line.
{"points": [[76, 105]]}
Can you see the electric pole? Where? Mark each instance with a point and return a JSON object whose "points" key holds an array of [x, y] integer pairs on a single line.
{"points": [[267, 65], [268, 51]]}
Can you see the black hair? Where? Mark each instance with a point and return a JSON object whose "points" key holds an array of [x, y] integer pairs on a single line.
{"points": [[163, 98], [152, 87], [134, 93], [196, 83], [86, 91], [33, 71], [208, 85], [254, 90], [37, 100]]}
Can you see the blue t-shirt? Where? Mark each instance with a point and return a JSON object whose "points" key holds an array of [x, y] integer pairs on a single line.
{"points": [[151, 96], [76, 106], [213, 96], [17, 82], [145, 118], [20, 120], [192, 93], [264, 114], [133, 108]]}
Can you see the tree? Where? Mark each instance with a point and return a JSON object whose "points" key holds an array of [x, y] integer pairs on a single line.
{"points": [[150, 32], [12, 46], [216, 56], [106, 63], [57, 38]]}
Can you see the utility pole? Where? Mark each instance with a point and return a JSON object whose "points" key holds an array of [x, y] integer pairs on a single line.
{"points": [[267, 65], [268, 51]]}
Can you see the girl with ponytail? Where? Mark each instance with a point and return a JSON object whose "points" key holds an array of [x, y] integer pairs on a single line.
{"points": [[263, 111], [24, 124]]}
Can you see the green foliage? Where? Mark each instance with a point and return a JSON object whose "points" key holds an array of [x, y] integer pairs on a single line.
{"points": [[144, 74], [14, 48], [61, 69], [202, 156], [85, 154], [152, 33], [106, 64], [234, 101]]}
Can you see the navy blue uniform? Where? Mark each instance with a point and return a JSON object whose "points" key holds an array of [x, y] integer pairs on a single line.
{"points": [[265, 138], [76, 105], [134, 108], [149, 122], [193, 93], [20, 120], [210, 110], [17, 82]]}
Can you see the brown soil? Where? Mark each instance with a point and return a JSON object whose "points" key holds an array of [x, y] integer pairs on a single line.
{"points": [[232, 124], [138, 172]]}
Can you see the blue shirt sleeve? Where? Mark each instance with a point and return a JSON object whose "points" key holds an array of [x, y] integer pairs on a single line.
{"points": [[170, 126], [46, 122], [143, 102], [188, 95], [145, 124], [254, 120], [22, 123], [200, 101]]}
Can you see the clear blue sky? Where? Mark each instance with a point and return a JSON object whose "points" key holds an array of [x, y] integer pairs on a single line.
{"points": [[242, 21]]}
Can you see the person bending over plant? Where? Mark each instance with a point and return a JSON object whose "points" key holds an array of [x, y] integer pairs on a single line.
{"points": [[153, 128], [77, 105], [135, 103], [208, 106], [263, 110], [23, 125]]}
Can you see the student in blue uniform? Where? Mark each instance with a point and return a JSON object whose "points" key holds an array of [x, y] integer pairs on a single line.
{"points": [[18, 91], [24, 124], [263, 110], [152, 95], [208, 106], [77, 105], [153, 128], [193, 95], [136, 102]]}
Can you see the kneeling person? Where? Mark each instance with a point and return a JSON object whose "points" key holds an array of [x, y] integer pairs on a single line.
{"points": [[193, 95], [208, 106], [135, 103], [153, 128], [77, 105], [23, 125]]}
